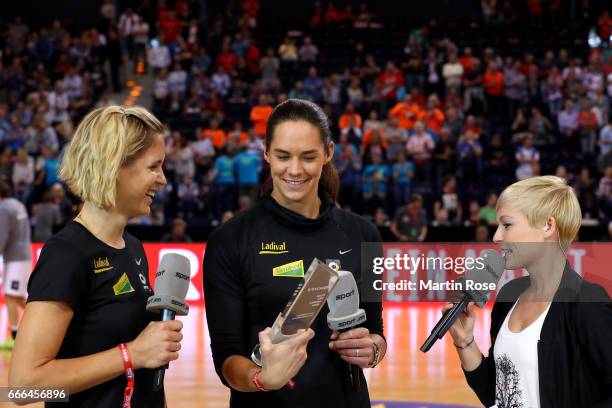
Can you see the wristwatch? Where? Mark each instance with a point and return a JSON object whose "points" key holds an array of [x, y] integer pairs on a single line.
{"points": [[376, 360]]}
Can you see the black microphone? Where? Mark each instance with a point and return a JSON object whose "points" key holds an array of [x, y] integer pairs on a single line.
{"points": [[486, 278], [344, 313], [171, 286]]}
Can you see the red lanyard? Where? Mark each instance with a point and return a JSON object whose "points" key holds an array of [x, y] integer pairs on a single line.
{"points": [[129, 374]]}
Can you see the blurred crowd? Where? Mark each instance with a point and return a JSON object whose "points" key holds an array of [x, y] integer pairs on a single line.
{"points": [[425, 135]]}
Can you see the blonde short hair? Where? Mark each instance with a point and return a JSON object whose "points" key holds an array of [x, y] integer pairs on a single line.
{"points": [[105, 140], [540, 198]]}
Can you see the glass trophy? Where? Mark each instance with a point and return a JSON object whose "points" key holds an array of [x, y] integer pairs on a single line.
{"points": [[304, 306]]}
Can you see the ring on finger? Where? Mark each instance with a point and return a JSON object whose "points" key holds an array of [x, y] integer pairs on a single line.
{"points": [[356, 352]]}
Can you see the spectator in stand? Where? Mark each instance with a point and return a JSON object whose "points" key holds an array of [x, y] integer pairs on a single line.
{"points": [[203, 152], [269, 66], [40, 134], [178, 232], [225, 182], [227, 59], [388, 84], [488, 213], [352, 131], [354, 93], [127, 22], [410, 222], [177, 81], [46, 216], [237, 136], [605, 140], [248, 167], [403, 172], [396, 139], [159, 56], [407, 112], [374, 185], [349, 166], [452, 72], [183, 158], [515, 86], [493, 85], [298, 91], [587, 127], [470, 157], [433, 116], [604, 193], [420, 146], [308, 51], [161, 91], [188, 192], [216, 135], [567, 121], [449, 201], [586, 190], [527, 159], [221, 81], [313, 85], [259, 115]]}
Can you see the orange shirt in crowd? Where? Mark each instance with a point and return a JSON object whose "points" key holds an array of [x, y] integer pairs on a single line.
{"points": [[406, 114], [345, 120], [259, 117], [493, 83], [434, 119], [369, 135], [216, 136]]}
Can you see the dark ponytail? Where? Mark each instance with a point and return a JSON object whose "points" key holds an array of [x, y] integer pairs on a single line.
{"points": [[302, 110]]}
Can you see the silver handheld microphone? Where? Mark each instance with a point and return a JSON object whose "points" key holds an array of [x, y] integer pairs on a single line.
{"points": [[344, 313], [171, 286]]}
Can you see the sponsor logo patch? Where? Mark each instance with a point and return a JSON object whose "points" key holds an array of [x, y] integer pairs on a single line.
{"points": [[101, 265], [291, 270], [273, 248], [123, 285]]}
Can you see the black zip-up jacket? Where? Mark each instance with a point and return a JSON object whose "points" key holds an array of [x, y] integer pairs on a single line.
{"points": [[575, 347], [243, 296]]}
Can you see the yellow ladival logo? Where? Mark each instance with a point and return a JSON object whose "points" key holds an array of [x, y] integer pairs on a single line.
{"points": [[123, 285], [273, 248], [292, 270], [101, 265]]}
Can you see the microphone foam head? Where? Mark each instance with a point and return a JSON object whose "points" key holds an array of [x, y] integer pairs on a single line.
{"points": [[343, 303], [490, 274], [171, 284]]}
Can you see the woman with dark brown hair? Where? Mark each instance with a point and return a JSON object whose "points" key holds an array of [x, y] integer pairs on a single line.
{"points": [[245, 289]]}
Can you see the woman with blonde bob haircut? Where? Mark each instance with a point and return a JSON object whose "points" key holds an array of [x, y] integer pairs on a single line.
{"points": [[551, 330], [85, 323]]}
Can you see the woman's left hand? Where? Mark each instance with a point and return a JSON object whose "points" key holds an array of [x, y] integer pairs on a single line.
{"points": [[355, 346]]}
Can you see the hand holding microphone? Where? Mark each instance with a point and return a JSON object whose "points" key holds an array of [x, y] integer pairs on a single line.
{"points": [[171, 286], [353, 344], [490, 274]]}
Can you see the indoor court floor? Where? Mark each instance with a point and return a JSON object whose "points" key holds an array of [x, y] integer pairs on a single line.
{"points": [[407, 378]]}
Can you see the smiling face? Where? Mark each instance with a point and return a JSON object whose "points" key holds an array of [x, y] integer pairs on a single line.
{"points": [[138, 180], [521, 243], [296, 156]]}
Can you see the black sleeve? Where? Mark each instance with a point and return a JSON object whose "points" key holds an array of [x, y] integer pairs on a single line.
{"points": [[372, 307], [224, 298], [594, 331], [482, 379], [60, 274]]}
